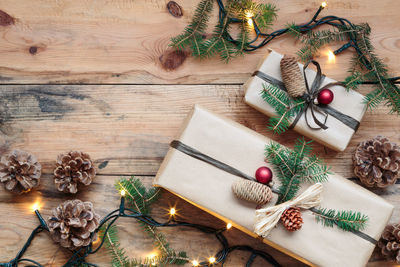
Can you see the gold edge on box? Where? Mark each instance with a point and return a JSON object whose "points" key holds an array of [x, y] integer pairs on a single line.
{"points": [[243, 229]]}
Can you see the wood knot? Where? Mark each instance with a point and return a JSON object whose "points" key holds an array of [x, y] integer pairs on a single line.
{"points": [[172, 59], [6, 19], [33, 50], [174, 9]]}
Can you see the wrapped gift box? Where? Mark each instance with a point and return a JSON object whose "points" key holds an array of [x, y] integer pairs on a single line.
{"points": [[338, 134], [209, 188]]}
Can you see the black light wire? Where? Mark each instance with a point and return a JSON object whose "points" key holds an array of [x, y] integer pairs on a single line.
{"points": [[79, 255]]}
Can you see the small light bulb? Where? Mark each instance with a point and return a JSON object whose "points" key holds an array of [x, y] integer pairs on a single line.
{"points": [[229, 226], [331, 56], [211, 260], [249, 15], [172, 211], [123, 192], [35, 206], [324, 4], [195, 263]]}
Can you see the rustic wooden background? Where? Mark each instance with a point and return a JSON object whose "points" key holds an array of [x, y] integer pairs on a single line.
{"points": [[91, 75]]}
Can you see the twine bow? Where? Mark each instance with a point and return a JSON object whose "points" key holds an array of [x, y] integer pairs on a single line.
{"points": [[267, 218], [310, 96]]}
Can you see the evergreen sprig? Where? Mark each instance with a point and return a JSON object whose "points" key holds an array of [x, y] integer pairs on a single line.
{"points": [[345, 220], [285, 107], [139, 198], [294, 167], [366, 65], [221, 43]]}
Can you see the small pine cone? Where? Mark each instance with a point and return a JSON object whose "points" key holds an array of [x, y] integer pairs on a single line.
{"points": [[252, 191], [292, 77], [73, 168], [19, 171], [377, 162], [291, 219], [73, 223], [389, 242]]}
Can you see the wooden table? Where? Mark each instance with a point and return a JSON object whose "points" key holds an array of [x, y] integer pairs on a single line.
{"points": [[87, 75]]}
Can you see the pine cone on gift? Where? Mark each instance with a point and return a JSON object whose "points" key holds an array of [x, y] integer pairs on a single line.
{"points": [[377, 162], [72, 169], [291, 219], [390, 242], [19, 171], [73, 223]]}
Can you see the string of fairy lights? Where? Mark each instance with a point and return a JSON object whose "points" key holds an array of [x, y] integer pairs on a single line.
{"points": [[78, 257], [303, 28]]}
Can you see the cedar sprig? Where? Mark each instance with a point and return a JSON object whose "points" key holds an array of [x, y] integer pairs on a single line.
{"points": [[293, 167], [345, 220], [285, 107]]}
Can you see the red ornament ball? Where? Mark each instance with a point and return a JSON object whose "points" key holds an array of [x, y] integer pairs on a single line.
{"points": [[325, 96], [264, 175]]}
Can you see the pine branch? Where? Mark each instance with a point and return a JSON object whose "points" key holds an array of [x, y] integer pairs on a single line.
{"points": [[118, 254], [292, 167], [284, 106], [345, 220], [192, 35]]}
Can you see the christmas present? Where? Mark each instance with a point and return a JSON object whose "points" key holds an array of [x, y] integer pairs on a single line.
{"points": [[212, 154], [330, 115]]}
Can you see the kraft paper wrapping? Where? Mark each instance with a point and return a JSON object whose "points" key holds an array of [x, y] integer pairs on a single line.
{"points": [[338, 135], [209, 188]]}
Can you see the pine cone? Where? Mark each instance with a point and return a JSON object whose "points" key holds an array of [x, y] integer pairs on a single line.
{"points": [[390, 242], [292, 219], [19, 171], [73, 168], [73, 223], [377, 162], [292, 77]]}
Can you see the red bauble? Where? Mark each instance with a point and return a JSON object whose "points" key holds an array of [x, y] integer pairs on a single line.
{"points": [[264, 175], [325, 97]]}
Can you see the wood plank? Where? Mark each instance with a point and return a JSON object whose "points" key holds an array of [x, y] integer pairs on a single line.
{"points": [[126, 129], [121, 41]]}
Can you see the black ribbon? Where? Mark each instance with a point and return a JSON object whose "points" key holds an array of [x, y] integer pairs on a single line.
{"points": [[190, 151], [310, 96]]}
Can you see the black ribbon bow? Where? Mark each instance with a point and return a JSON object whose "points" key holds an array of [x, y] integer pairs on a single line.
{"points": [[310, 96], [309, 99]]}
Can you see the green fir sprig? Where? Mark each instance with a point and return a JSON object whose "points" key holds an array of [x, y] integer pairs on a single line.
{"points": [[297, 166], [221, 43], [345, 220], [365, 66], [293, 167], [285, 107], [139, 198]]}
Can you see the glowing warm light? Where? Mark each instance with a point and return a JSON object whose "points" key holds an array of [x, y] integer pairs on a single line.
{"points": [[229, 226], [123, 192], [331, 57], [249, 16], [35, 206], [172, 211], [211, 260], [195, 263], [152, 258], [324, 4]]}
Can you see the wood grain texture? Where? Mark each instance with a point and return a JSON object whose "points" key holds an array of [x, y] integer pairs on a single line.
{"points": [[123, 41], [126, 129]]}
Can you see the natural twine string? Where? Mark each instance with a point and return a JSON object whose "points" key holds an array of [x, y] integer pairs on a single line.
{"points": [[252, 191]]}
